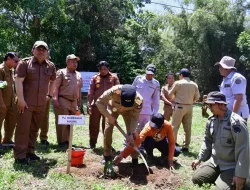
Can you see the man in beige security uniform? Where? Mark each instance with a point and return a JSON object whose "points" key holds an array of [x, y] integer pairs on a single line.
{"points": [[225, 148], [119, 100], [34, 81], [99, 83], [186, 93], [8, 110], [168, 100], [66, 97]]}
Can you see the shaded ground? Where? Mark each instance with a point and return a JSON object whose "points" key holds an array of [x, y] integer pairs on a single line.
{"points": [[160, 177]]}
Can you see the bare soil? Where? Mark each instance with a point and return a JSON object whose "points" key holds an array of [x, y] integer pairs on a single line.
{"points": [[134, 177]]}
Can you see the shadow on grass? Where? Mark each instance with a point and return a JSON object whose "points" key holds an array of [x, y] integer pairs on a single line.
{"points": [[99, 151], [5, 150], [47, 149], [190, 154], [38, 169]]}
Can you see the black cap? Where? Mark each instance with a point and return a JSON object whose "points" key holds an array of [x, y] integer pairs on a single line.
{"points": [[102, 63], [151, 69], [157, 121], [216, 97], [185, 72], [128, 94]]}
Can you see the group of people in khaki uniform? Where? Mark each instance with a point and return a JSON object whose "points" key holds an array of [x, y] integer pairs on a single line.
{"points": [[25, 101], [25, 104]]}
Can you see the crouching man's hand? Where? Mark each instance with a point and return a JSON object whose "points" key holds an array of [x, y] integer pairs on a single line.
{"points": [[238, 182], [118, 159], [171, 165]]}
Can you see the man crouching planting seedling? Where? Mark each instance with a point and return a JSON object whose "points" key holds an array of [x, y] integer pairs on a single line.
{"points": [[157, 133]]}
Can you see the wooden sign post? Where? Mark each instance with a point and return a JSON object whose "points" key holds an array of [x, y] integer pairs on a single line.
{"points": [[70, 120]]}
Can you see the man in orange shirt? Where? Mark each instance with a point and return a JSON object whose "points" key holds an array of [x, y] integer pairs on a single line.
{"points": [[157, 133]]}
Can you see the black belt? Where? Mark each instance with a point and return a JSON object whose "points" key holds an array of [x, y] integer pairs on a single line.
{"points": [[66, 98], [183, 104]]}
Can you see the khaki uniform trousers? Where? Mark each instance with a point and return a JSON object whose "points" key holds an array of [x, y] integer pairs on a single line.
{"points": [[208, 173], [67, 107], [168, 111], [94, 125], [9, 120], [182, 114], [27, 130], [44, 127], [108, 132]]}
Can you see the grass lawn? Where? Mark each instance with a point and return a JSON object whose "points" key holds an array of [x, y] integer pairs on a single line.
{"points": [[45, 175]]}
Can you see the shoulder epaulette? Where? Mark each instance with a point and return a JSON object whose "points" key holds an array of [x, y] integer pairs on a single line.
{"points": [[138, 100]]}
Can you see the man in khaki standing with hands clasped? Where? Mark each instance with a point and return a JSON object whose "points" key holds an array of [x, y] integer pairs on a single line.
{"points": [[168, 100], [66, 97]]}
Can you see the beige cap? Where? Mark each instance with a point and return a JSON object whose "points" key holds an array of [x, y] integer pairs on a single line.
{"points": [[227, 62], [40, 43], [72, 56]]}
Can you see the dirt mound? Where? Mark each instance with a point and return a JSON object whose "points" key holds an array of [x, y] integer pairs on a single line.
{"points": [[160, 177]]}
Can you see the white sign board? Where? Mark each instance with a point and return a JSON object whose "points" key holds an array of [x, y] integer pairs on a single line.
{"points": [[86, 77], [71, 120]]}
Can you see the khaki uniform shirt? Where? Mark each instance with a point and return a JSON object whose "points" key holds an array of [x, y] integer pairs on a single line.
{"points": [[226, 143], [164, 93], [8, 93], [185, 91], [99, 84], [36, 79], [68, 84], [112, 98]]}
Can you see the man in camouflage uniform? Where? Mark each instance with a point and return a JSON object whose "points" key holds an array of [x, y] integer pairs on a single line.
{"points": [[119, 100], [99, 83], [225, 149], [8, 110]]}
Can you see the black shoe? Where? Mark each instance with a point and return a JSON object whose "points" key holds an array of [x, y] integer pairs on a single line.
{"points": [[45, 142], [91, 146], [184, 149], [63, 144], [23, 161], [32, 157]]}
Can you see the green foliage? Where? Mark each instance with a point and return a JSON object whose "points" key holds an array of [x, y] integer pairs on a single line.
{"points": [[199, 39]]}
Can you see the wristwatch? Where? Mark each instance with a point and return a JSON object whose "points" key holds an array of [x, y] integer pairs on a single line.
{"points": [[49, 96]]}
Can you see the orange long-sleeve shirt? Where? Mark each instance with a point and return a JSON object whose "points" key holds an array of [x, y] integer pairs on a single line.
{"points": [[157, 135]]}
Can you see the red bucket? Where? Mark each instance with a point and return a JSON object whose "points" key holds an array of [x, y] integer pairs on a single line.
{"points": [[77, 156]]}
